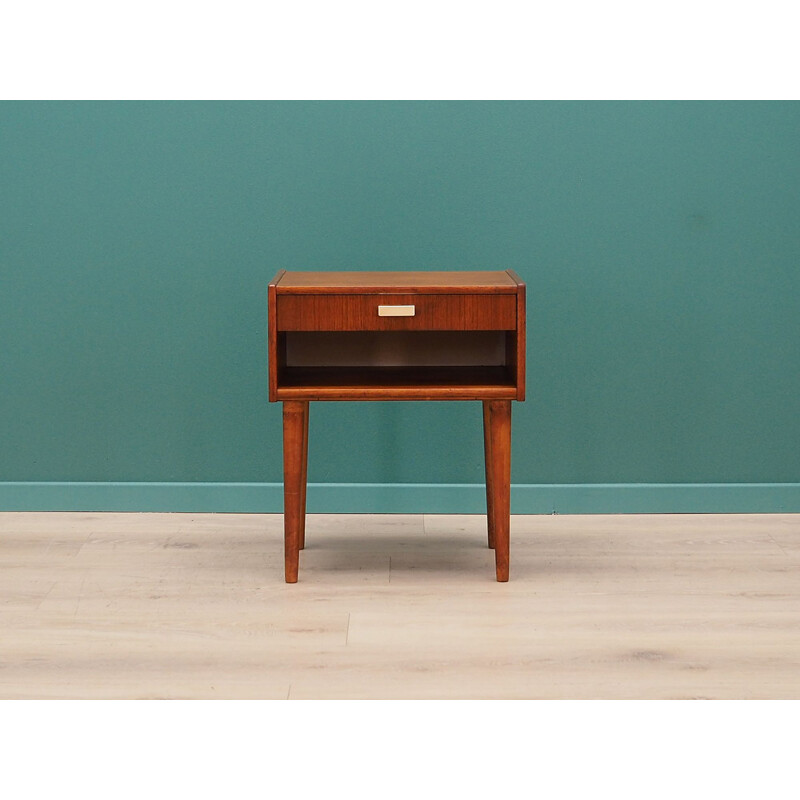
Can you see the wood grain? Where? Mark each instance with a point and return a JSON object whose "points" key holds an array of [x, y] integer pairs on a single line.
{"points": [[433, 312], [273, 345], [488, 471], [304, 479], [412, 282], [399, 606], [295, 441], [342, 302], [519, 337], [498, 483], [348, 303], [395, 383]]}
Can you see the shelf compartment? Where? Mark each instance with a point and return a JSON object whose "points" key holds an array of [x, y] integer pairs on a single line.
{"points": [[396, 383], [395, 348]]}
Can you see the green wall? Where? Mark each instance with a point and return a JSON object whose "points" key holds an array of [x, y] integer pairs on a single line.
{"points": [[660, 242]]}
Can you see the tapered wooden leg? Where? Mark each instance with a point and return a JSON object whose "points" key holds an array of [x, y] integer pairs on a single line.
{"points": [[304, 480], [295, 413], [487, 457], [500, 482]]}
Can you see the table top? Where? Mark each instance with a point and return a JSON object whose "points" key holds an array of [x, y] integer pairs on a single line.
{"points": [[489, 282]]}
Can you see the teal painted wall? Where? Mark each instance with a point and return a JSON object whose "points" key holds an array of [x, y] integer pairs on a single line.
{"points": [[660, 242]]}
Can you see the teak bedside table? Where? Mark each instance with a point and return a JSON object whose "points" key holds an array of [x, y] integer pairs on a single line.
{"points": [[397, 336]]}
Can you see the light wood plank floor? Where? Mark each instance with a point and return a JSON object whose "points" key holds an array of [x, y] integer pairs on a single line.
{"points": [[401, 606]]}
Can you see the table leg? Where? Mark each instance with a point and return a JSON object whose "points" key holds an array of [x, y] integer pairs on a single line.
{"points": [[304, 479], [499, 485], [487, 456], [295, 418]]}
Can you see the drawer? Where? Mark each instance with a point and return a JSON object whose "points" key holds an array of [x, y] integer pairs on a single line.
{"points": [[397, 312]]}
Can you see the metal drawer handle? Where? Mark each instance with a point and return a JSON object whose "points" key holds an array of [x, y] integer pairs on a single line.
{"points": [[396, 311]]}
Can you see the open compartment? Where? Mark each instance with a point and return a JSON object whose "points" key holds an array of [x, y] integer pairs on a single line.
{"points": [[396, 358]]}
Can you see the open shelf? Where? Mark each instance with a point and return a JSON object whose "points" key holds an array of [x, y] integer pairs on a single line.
{"points": [[405, 382], [403, 364]]}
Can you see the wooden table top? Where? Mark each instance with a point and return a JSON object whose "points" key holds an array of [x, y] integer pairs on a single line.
{"points": [[488, 282]]}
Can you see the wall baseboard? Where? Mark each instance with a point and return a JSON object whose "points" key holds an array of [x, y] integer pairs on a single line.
{"points": [[408, 498]]}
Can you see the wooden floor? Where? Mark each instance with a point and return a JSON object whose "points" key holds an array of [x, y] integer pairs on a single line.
{"points": [[194, 606]]}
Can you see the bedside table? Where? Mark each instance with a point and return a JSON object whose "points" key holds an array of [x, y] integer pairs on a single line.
{"points": [[397, 336]]}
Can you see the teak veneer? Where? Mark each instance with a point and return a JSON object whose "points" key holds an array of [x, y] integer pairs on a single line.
{"points": [[397, 336]]}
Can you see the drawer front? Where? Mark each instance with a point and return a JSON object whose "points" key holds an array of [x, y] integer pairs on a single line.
{"points": [[397, 312]]}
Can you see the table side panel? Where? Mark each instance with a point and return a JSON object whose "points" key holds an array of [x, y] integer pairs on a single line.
{"points": [[521, 342], [272, 336]]}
